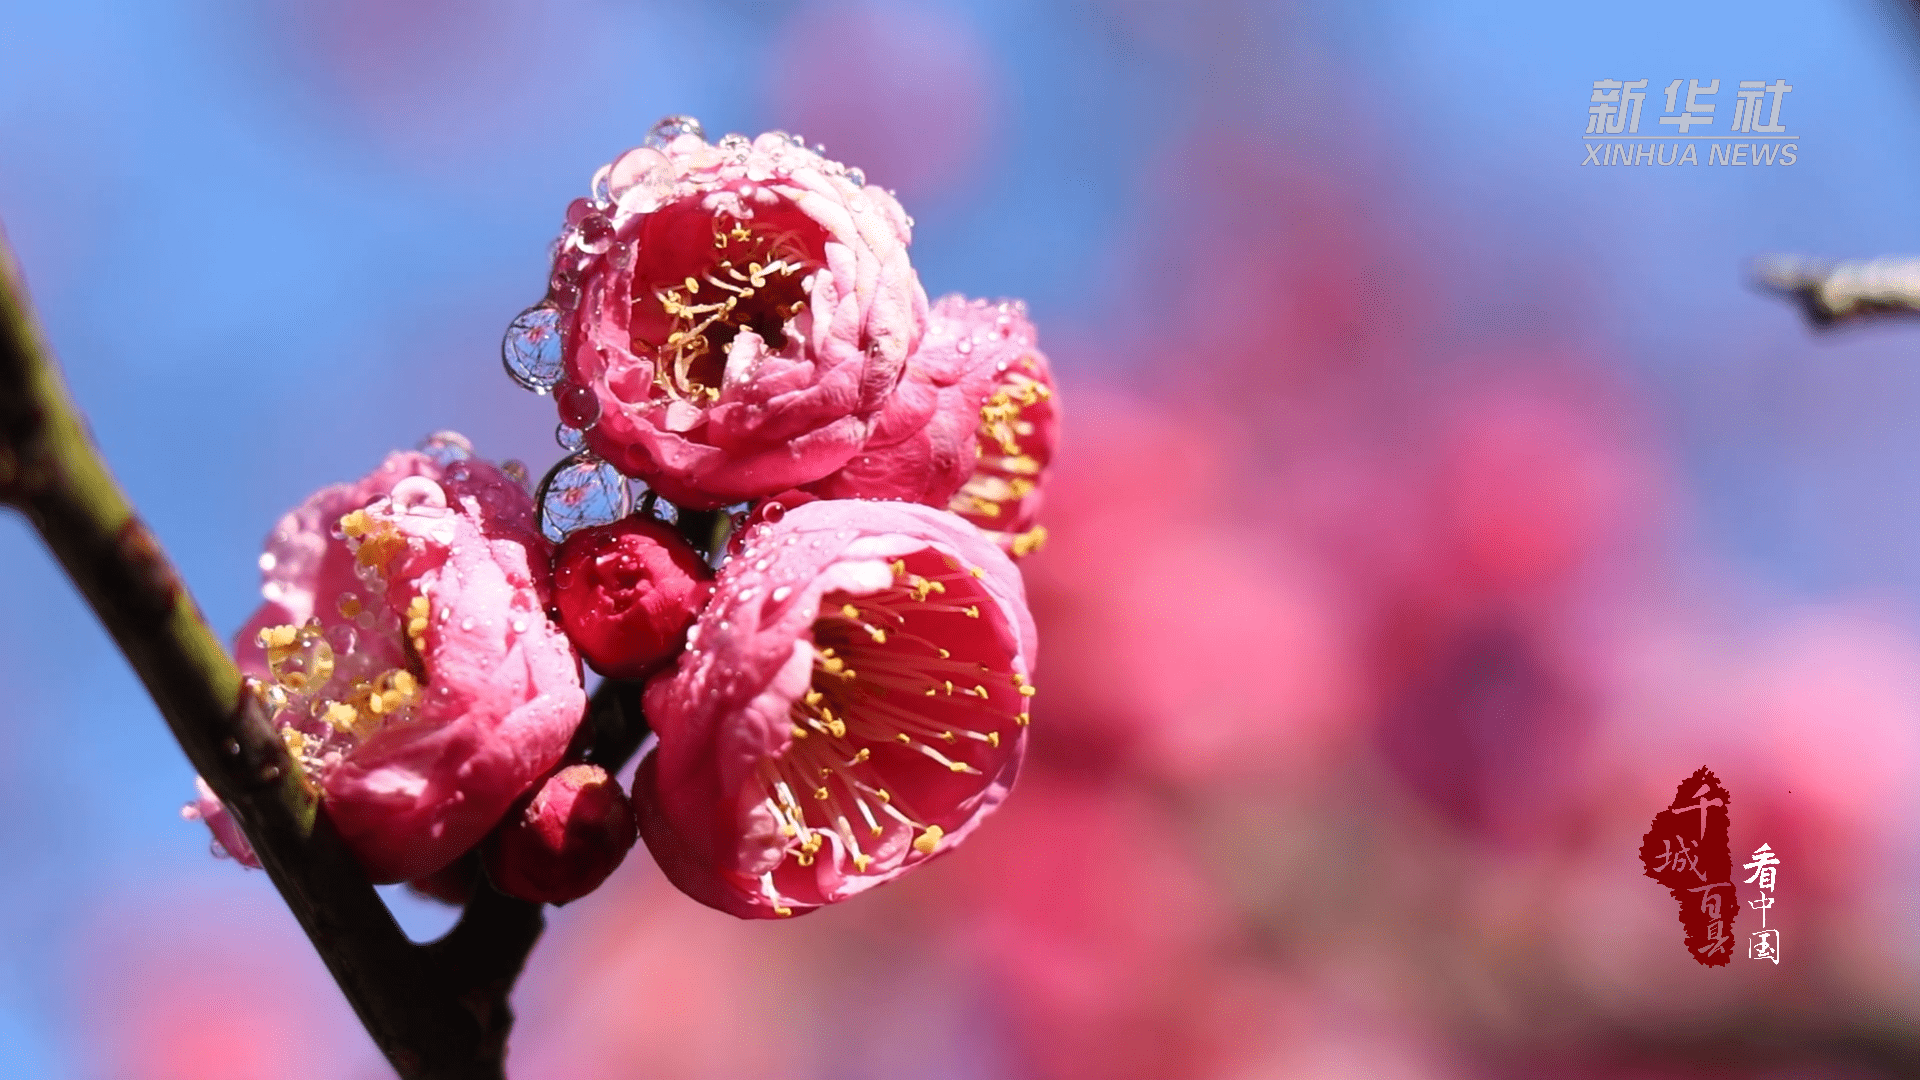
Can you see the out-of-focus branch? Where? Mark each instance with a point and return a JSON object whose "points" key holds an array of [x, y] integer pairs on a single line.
{"points": [[1832, 293], [616, 722], [438, 1012]]}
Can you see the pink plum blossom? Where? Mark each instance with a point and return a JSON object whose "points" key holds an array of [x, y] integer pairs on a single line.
{"points": [[177, 979], [923, 447], [1018, 433], [740, 314], [570, 834], [627, 592], [852, 703], [1208, 598], [407, 654]]}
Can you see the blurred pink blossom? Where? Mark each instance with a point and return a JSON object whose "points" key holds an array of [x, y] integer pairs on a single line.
{"points": [[638, 984], [229, 991], [1153, 569], [910, 99], [1097, 927]]}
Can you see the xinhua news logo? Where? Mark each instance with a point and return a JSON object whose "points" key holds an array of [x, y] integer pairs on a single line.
{"points": [[1755, 133]]}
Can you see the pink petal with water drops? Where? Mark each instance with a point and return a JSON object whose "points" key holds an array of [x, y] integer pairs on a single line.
{"points": [[406, 651], [853, 702], [741, 311], [923, 448]]}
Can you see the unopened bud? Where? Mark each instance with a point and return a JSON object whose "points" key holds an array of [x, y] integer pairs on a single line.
{"points": [[627, 593], [563, 841]]}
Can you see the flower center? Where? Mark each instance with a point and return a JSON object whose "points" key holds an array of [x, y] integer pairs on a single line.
{"points": [[754, 279], [894, 728], [334, 687], [1006, 472]]}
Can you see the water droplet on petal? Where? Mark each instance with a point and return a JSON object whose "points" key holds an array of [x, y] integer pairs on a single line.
{"points": [[735, 143], [562, 293], [596, 234], [569, 438], [579, 405], [343, 639], [531, 349], [672, 127], [446, 447], [664, 511], [602, 198], [416, 492], [857, 175], [581, 491], [305, 665], [782, 593], [516, 471], [639, 179], [268, 561]]}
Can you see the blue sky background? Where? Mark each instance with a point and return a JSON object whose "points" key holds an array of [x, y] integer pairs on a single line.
{"points": [[260, 279]]}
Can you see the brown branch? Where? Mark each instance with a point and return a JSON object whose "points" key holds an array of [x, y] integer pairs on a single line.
{"points": [[615, 723], [1833, 293], [438, 1012]]}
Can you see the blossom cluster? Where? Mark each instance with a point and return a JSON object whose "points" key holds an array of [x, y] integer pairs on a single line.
{"points": [[787, 519]]}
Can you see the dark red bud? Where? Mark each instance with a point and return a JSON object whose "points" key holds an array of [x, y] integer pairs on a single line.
{"points": [[560, 842], [627, 593]]}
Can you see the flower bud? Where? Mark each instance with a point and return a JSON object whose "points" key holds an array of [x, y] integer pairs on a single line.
{"points": [[627, 593], [562, 841]]}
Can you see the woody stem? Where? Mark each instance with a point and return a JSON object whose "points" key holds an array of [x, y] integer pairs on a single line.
{"points": [[438, 1012]]}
